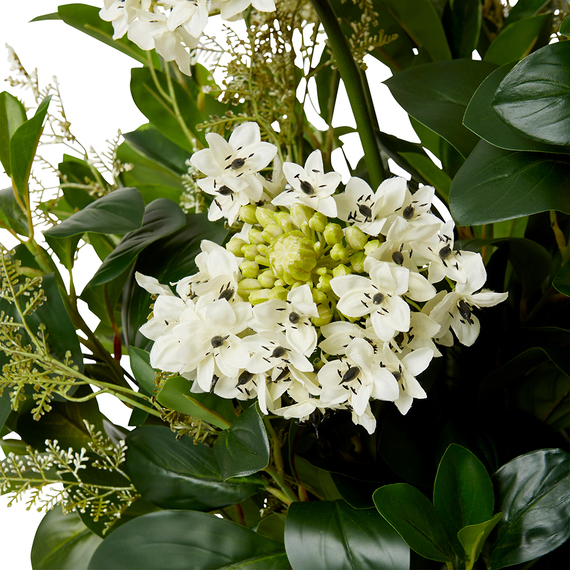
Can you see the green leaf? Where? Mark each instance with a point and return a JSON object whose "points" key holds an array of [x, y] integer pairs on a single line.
{"points": [[414, 518], [143, 372], [11, 214], [562, 280], [180, 473], [463, 491], [481, 118], [430, 172], [5, 405], [525, 9], [118, 212], [473, 537], [161, 218], [495, 185], [565, 27], [243, 449], [64, 248], [171, 540], [23, 146], [534, 495], [534, 98], [12, 115], [161, 113], [517, 40], [440, 103], [63, 542], [325, 534], [462, 21]]}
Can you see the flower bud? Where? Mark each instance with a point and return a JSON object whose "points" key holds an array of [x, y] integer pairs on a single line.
{"points": [[255, 236], [321, 270], [318, 222], [234, 246], [249, 251], [341, 270], [249, 269], [319, 296], [278, 293], [371, 247], [247, 214], [259, 296], [266, 278], [339, 252], [292, 258], [318, 247], [324, 283], [265, 216], [262, 249], [300, 216], [357, 262], [355, 237], [283, 219], [270, 232], [325, 315], [247, 286], [333, 233]]}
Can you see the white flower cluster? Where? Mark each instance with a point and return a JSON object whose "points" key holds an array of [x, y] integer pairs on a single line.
{"points": [[306, 314], [172, 27]]}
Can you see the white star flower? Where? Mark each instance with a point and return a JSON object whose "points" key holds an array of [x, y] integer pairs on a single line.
{"points": [[191, 14], [229, 9], [310, 186], [121, 13]]}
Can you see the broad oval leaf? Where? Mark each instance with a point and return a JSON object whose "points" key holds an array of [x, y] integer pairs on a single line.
{"points": [[170, 540], [331, 534], [463, 491], [534, 98], [243, 448], [496, 184], [414, 518], [12, 115], [534, 495], [118, 212], [179, 473], [63, 542]]}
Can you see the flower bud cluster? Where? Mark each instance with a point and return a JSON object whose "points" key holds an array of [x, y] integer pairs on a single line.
{"points": [[319, 301]]}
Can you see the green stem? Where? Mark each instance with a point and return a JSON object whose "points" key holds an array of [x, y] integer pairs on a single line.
{"points": [[357, 90], [285, 489], [176, 108]]}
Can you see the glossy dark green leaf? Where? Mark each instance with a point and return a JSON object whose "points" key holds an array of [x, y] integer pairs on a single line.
{"points": [[534, 496], [463, 491], [187, 540], [63, 542], [516, 41], [118, 212], [462, 21], [481, 118], [161, 218], [331, 534], [179, 473], [12, 115], [23, 146], [64, 248], [496, 184], [534, 98], [562, 280], [432, 174], [143, 372], [74, 171], [565, 27], [161, 113], [525, 9], [415, 519], [473, 537], [11, 214], [243, 448], [446, 89]]}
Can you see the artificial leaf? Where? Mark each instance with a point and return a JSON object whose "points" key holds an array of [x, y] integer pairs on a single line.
{"points": [[142, 370], [161, 218], [525, 9], [473, 538], [243, 448], [5, 404], [496, 184], [118, 212], [331, 534], [534, 98], [562, 280], [180, 473], [565, 27], [534, 496], [170, 540], [63, 542], [11, 214], [446, 89], [414, 518], [462, 21], [12, 115]]}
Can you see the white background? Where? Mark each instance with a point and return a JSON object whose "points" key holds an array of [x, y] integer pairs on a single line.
{"points": [[94, 83]]}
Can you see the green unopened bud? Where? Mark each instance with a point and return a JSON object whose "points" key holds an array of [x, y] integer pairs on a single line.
{"points": [[247, 214], [270, 232], [280, 283], [262, 249], [325, 315], [265, 216], [355, 237], [284, 221], [371, 247], [321, 270], [319, 296], [333, 233], [249, 269], [255, 236], [278, 292], [357, 262], [341, 270], [318, 247], [249, 251], [292, 257], [234, 246], [300, 216], [260, 296], [339, 252], [247, 286], [318, 222], [324, 283], [266, 278], [261, 259]]}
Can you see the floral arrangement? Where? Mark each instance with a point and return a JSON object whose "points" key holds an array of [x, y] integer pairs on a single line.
{"points": [[296, 313]]}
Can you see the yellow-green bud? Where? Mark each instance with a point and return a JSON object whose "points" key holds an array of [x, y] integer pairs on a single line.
{"points": [[260, 259], [319, 296], [234, 246], [262, 248], [357, 262], [325, 315], [355, 237], [339, 252], [318, 222], [280, 283], [266, 278], [265, 216], [292, 258], [249, 269], [278, 293], [247, 214], [341, 270], [318, 247], [284, 221], [333, 233], [260, 296], [255, 236], [321, 270], [324, 283], [371, 247], [300, 216], [249, 251], [246, 286], [270, 232]]}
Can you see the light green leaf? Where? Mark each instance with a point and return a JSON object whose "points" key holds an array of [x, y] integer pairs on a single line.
{"points": [[143, 372], [12, 115], [473, 537]]}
